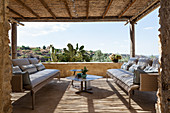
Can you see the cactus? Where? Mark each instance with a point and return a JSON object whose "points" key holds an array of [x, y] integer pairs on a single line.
{"points": [[53, 52], [84, 70], [70, 54]]}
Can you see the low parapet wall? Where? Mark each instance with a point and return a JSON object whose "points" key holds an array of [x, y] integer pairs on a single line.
{"points": [[95, 68]]}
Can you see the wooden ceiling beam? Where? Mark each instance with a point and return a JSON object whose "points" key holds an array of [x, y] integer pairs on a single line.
{"points": [[48, 9], [126, 8], [15, 21], [68, 10], [28, 8], [107, 8], [87, 11], [144, 9], [74, 19], [147, 12], [11, 10]]}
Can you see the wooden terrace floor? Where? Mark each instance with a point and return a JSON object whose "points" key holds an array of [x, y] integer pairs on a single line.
{"points": [[107, 97]]}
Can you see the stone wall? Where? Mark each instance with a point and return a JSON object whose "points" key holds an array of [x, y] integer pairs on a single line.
{"points": [[95, 68], [163, 104], [5, 62]]}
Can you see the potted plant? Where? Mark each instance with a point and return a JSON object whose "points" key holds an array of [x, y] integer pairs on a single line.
{"points": [[115, 57], [84, 72]]}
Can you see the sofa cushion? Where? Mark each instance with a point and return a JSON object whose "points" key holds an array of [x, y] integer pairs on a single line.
{"points": [[16, 69], [122, 75], [144, 62], [30, 68], [39, 66], [136, 78], [26, 78], [127, 66], [33, 60], [134, 67], [123, 65], [155, 63], [133, 60], [20, 62], [40, 76]]}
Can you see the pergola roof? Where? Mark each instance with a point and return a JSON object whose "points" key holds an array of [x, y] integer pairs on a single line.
{"points": [[80, 10]]}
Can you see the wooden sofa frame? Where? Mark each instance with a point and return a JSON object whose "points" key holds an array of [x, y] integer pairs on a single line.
{"points": [[148, 82], [17, 85]]}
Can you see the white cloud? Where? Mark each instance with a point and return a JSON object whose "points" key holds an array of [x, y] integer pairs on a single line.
{"points": [[149, 28], [38, 29]]}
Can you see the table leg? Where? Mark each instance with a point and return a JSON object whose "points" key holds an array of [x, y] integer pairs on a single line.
{"points": [[85, 88]]}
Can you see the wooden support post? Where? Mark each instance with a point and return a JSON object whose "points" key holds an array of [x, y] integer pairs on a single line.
{"points": [[132, 39], [14, 41]]}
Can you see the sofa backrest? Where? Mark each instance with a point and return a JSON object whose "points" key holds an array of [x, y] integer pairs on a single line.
{"points": [[33, 60], [20, 62], [133, 60], [144, 62], [155, 63]]}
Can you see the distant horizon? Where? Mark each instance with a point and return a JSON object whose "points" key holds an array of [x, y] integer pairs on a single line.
{"points": [[109, 37], [96, 50]]}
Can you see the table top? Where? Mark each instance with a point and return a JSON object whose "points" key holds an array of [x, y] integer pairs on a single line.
{"points": [[88, 78], [75, 70]]}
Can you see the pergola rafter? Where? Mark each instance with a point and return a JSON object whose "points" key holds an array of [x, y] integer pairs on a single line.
{"points": [[48, 9], [107, 8], [147, 8], [148, 11], [28, 8], [68, 9], [87, 10], [127, 7], [15, 12]]}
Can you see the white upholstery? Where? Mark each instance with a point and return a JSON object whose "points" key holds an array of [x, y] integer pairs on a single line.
{"points": [[40, 76], [122, 75]]}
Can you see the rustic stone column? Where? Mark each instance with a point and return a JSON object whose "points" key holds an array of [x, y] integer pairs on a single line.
{"points": [[5, 61], [132, 39], [163, 104], [14, 41]]}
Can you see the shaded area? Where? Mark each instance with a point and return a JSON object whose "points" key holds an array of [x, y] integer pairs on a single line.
{"points": [[58, 97], [46, 99], [146, 100]]}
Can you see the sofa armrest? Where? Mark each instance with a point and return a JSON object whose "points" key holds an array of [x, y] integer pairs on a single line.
{"points": [[17, 82], [149, 81]]}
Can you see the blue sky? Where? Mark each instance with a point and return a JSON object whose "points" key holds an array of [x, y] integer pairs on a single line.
{"points": [[110, 37]]}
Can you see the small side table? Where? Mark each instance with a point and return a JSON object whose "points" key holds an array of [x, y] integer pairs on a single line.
{"points": [[74, 74]]}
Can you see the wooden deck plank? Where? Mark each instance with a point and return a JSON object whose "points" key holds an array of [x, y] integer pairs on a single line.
{"points": [[60, 98]]}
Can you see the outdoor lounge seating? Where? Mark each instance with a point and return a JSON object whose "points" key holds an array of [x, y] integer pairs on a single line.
{"points": [[136, 74], [28, 74]]}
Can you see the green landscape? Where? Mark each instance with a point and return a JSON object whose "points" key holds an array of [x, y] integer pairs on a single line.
{"points": [[68, 54]]}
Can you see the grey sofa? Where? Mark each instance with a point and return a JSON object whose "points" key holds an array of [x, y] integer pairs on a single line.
{"points": [[136, 74], [29, 74]]}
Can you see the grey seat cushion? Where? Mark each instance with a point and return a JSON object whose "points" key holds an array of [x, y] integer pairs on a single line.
{"points": [[20, 62], [39, 66], [133, 60], [33, 60], [30, 68], [16, 69], [40, 76], [144, 62], [122, 75]]}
